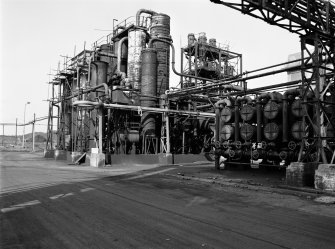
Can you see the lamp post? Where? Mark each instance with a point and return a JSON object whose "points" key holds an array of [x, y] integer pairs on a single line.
{"points": [[113, 25], [24, 122]]}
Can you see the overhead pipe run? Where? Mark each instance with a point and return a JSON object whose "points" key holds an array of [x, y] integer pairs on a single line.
{"points": [[86, 103]]}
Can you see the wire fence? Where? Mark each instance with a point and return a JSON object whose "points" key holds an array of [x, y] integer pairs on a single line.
{"points": [[30, 136]]}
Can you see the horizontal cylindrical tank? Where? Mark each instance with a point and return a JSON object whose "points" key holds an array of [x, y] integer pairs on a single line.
{"points": [[227, 132], [297, 108], [148, 89], [247, 131], [271, 131], [248, 112], [299, 130], [136, 43], [227, 114], [161, 28], [272, 110]]}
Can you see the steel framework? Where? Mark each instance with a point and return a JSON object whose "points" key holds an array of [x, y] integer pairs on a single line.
{"points": [[314, 21]]}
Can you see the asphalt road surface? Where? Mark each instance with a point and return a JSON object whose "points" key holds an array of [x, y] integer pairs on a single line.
{"points": [[48, 204]]}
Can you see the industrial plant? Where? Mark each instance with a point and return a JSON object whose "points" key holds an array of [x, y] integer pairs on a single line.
{"points": [[115, 101]]}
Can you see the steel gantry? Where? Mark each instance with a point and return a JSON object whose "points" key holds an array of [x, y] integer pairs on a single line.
{"points": [[314, 22]]}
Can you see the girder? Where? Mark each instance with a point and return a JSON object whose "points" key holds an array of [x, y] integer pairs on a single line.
{"points": [[298, 16]]}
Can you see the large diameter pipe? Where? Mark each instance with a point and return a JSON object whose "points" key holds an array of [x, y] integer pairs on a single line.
{"points": [[84, 103], [120, 43]]}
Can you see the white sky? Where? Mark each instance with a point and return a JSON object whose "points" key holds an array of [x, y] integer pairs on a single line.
{"points": [[34, 33]]}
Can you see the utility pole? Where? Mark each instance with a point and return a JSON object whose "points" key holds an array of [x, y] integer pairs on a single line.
{"points": [[33, 132], [3, 134], [24, 122], [16, 132]]}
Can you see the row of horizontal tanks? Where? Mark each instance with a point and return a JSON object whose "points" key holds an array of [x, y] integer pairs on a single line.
{"points": [[270, 127]]}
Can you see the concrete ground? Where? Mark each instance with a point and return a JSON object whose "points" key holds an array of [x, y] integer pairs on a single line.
{"points": [[49, 204]]}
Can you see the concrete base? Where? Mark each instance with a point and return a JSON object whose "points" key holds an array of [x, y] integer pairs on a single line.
{"points": [[160, 159], [60, 155], [134, 159], [300, 174], [165, 158], [97, 159], [325, 177], [49, 153]]}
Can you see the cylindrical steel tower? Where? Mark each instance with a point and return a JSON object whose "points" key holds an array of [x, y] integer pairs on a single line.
{"points": [[148, 89], [161, 28]]}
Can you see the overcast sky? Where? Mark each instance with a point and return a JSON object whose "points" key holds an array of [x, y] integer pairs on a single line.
{"points": [[34, 33]]}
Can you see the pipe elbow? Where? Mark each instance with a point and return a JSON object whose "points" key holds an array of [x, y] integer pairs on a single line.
{"points": [[140, 11], [119, 51]]}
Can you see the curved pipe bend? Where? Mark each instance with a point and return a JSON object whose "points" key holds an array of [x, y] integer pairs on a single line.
{"points": [[139, 12], [119, 51]]}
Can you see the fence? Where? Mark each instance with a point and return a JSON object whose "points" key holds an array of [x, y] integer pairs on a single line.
{"points": [[13, 138]]}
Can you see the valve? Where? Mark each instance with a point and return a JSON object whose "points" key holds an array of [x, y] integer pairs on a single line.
{"points": [[255, 154], [292, 145], [283, 155], [238, 144], [225, 144], [264, 145], [231, 153]]}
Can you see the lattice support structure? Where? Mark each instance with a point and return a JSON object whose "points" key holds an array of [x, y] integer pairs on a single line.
{"points": [[314, 21], [317, 77]]}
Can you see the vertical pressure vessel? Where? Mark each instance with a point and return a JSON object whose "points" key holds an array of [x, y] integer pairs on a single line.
{"points": [[148, 89], [161, 28]]}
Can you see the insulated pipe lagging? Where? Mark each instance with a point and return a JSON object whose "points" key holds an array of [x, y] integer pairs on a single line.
{"points": [[173, 62], [141, 11], [119, 49]]}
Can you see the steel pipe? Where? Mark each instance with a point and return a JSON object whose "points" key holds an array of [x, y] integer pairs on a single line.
{"points": [[139, 108]]}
